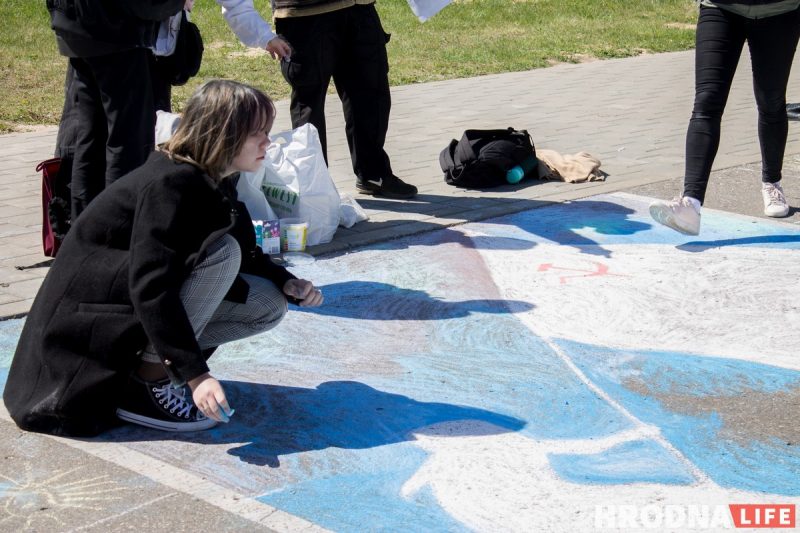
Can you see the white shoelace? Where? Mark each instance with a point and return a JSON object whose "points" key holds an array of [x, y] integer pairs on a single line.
{"points": [[679, 202], [776, 196], [173, 400]]}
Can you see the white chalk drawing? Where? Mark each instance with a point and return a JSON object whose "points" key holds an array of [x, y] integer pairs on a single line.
{"points": [[31, 501]]}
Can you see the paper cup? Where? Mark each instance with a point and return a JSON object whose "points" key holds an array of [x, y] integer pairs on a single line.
{"points": [[293, 234]]}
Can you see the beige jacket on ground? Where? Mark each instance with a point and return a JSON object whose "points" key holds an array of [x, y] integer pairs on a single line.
{"points": [[570, 168]]}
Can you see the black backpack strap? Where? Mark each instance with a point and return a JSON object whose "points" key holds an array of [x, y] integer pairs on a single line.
{"points": [[452, 171], [465, 149], [446, 157], [530, 140]]}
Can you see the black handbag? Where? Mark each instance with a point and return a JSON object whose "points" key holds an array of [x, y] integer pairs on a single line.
{"points": [[185, 61]]}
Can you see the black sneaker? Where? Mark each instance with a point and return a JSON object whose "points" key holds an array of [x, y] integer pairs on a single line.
{"points": [[158, 405], [389, 187]]}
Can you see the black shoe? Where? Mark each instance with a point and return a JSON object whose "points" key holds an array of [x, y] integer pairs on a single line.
{"points": [[158, 405], [389, 187], [793, 111]]}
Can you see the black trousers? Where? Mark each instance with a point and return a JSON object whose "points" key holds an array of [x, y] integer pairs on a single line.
{"points": [[162, 88], [108, 120], [349, 46], [720, 39]]}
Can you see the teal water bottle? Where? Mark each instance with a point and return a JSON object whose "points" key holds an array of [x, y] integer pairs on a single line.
{"points": [[516, 173]]}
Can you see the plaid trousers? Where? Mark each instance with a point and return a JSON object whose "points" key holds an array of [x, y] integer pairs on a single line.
{"points": [[216, 321]]}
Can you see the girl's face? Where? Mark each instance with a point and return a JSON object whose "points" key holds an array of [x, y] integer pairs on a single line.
{"points": [[251, 156]]}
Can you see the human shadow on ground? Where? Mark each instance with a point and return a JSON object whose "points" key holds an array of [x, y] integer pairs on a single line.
{"points": [[702, 246], [445, 235], [274, 421], [567, 224], [382, 301]]}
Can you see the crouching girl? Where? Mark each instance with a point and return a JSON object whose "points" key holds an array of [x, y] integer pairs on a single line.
{"points": [[159, 270]]}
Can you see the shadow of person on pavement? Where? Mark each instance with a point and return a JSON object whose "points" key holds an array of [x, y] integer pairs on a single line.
{"points": [[702, 246], [357, 299], [569, 224], [272, 421]]}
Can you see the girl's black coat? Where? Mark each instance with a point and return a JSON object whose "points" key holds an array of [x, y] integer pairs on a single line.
{"points": [[114, 285]]}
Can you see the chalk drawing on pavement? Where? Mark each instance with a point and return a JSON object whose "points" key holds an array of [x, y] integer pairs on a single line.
{"points": [[33, 502], [450, 383]]}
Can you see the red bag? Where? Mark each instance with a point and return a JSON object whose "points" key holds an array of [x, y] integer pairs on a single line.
{"points": [[55, 206]]}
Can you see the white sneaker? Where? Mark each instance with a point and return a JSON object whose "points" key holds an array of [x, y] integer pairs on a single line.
{"points": [[774, 200], [678, 214]]}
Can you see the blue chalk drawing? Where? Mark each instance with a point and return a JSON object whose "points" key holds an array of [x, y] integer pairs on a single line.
{"points": [[9, 334], [643, 382], [370, 501], [641, 461], [337, 449]]}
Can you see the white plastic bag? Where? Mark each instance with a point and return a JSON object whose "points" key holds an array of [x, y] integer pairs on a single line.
{"points": [[350, 212], [248, 190], [295, 181], [166, 124], [425, 9]]}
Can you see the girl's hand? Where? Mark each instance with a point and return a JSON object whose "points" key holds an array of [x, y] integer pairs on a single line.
{"points": [[304, 291], [209, 397]]}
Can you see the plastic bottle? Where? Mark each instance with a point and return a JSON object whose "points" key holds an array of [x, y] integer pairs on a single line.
{"points": [[516, 173], [258, 226]]}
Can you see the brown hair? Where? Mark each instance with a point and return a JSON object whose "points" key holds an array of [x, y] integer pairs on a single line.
{"points": [[216, 122]]}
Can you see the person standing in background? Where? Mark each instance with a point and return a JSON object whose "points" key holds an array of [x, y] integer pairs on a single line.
{"points": [[163, 49], [112, 89], [771, 29], [343, 40], [108, 118]]}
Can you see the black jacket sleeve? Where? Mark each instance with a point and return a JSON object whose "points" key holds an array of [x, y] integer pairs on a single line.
{"points": [[154, 10], [254, 260]]}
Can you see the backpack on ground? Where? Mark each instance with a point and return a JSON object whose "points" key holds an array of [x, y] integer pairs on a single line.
{"points": [[482, 158]]}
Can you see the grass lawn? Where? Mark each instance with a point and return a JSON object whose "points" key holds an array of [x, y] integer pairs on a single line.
{"points": [[468, 38]]}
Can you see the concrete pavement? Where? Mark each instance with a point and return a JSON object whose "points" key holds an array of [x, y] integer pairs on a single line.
{"points": [[631, 113]]}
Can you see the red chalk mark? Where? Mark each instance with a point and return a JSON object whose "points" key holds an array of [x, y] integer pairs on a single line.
{"points": [[602, 270]]}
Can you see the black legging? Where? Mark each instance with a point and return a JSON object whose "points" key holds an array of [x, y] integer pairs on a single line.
{"points": [[720, 39]]}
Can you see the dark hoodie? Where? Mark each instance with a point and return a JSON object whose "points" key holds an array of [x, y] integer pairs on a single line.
{"points": [[88, 28]]}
